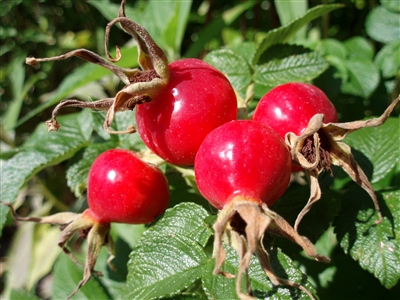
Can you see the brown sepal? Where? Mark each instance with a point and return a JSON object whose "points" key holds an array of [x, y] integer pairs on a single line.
{"points": [[97, 234], [242, 225], [326, 149], [140, 84]]}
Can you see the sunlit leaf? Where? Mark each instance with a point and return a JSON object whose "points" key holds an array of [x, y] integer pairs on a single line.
{"points": [[233, 65], [363, 78], [66, 278], [284, 33], [219, 287], [383, 25], [43, 149], [170, 255], [380, 145], [301, 67], [388, 59], [375, 247]]}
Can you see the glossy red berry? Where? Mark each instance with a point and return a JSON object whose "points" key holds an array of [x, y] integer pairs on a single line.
{"points": [[124, 189], [290, 106], [242, 158], [197, 99]]}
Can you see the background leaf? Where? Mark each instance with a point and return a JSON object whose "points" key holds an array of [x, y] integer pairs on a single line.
{"points": [[170, 255], [67, 276], [215, 27], [388, 60], [284, 33], [41, 150], [383, 25], [322, 212], [300, 67], [359, 47], [363, 78], [393, 5], [219, 287], [290, 10], [380, 145], [80, 77], [375, 247], [233, 65]]}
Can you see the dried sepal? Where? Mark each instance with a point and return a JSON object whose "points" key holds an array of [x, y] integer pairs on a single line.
{"points": [[97, 234], [140, 84], [242, 225], [320, 146]]}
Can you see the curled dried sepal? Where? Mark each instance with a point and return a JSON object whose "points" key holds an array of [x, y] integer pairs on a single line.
{"points": [[320, 146], [242, 225], [97, 234], [140, 84]]}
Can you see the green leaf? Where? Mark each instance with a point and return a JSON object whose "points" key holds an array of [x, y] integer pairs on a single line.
{"points": [[215, 27], [165, 21], [332, 47], [128, 141], [174, 29], [375, 247], [130, 233], [44, 253], [383, 25], [388, 59], [284, 33], [359, 47], [290, 10], [393, 5], [245, 50], [380, 145], [321, 213], [170, 255], [233, 65], [77, 173], [22, 294], [43, 149], [219, 287], [363, 78], [110, 10], [66, 276], [180, 190], [19, 91], [300, 67], [182, 296]]}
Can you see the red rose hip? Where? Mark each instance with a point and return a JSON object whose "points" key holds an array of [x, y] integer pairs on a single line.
{"points": [[289, 107], [242, 168], [197, 99], [242, 158], [124, 189]]}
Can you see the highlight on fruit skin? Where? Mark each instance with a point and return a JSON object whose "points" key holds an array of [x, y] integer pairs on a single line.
{"points": [[141, 85], [121, 189], [303, 115], [243, 186]]}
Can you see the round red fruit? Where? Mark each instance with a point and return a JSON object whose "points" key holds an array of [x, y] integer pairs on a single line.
{"points": [[124, 189], [242, 158], [290, 106], [197, 99]]}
